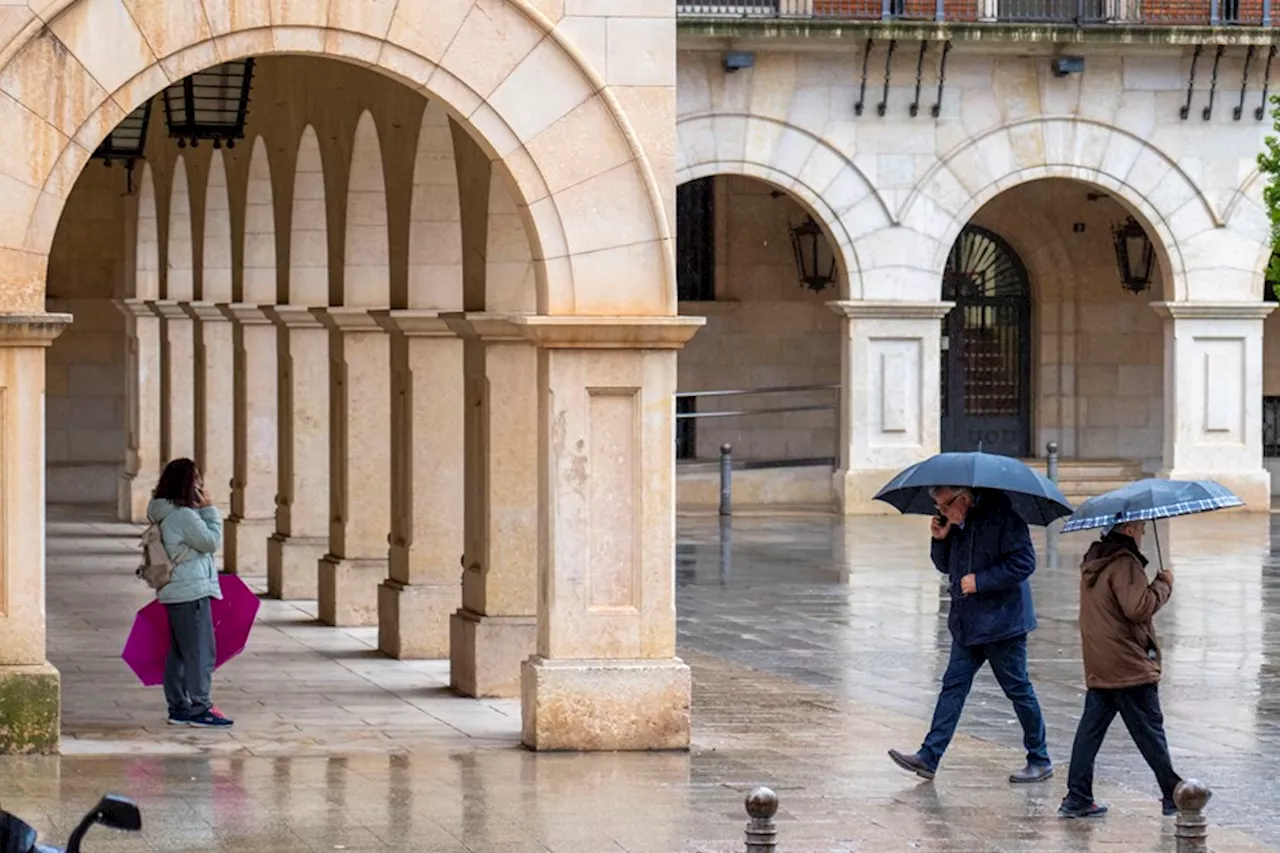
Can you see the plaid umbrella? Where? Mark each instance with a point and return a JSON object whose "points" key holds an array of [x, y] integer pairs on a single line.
{"points": [[1147, 500]]}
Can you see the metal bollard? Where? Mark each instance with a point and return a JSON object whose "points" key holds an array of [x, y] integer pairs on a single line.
{"points": [[726, 549], [762, 832], [1190, 827], [726, 479], [1051, 532]]}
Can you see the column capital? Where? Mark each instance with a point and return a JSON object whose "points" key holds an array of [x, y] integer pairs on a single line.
{"points": [[485, 326], [858, 309], [245, 313], [31, 330], [205, 312], [415, 323], [134, 307], [168, 309], [293, 316], [638, 333], [343, 319], [1213, 310]]}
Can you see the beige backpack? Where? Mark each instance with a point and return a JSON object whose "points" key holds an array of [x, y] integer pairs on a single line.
{"points": [[156, 569]]}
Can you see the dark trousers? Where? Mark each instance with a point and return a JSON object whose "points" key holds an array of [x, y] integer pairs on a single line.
{"points": [[1139, 707], [188, 671], [1008, 660]]}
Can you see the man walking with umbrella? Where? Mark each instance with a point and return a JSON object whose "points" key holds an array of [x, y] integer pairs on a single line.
{"points": [[984, 548]]}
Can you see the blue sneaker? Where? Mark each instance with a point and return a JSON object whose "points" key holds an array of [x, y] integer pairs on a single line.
{"points": [[209, 720], [1073, 810], [179, 719]]}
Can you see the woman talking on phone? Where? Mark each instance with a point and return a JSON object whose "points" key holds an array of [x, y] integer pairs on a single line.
{"points": [[191, 530]]}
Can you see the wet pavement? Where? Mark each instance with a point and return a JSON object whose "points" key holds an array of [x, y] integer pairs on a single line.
{"points": [[815, 648]]}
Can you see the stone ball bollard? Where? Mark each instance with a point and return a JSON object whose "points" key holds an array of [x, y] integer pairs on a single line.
{"points": [[1190, 827], [762, 832]]}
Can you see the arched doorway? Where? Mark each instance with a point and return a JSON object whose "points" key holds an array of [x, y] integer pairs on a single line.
{"points": [[986, 347]]}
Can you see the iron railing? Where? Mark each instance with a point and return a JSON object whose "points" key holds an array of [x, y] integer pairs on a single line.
{"points": [[1072, 12], [687, 413], [1271, 427]]}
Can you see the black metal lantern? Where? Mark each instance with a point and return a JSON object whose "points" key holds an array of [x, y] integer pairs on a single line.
{"points": [[210, 104], [814, 258], [127, 141], [1136, 256]]}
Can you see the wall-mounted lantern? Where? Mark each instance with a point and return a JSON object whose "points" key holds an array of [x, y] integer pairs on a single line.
{"points": [[210, 104], [127, 142], [815, 261], [1136, 256]]}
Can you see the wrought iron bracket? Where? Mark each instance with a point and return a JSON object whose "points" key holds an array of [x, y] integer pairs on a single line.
{"points": [[1207, 112], [862, 90], [915, 105], [1261, 111], [1191, 83], [942, 79], [1244, 84], [888, 74]]}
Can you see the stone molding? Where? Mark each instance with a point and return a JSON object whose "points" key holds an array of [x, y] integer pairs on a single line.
{"points": [[344, 319], [168, 309], [133, 307], [245, 313], [415, 323], [645, 333], [31, 330], [293, 316], [205, 312], [485, 326], [856, 309], [1213, 310]]}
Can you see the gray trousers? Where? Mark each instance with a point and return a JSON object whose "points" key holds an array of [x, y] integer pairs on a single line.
{"points": [[188, 671]]}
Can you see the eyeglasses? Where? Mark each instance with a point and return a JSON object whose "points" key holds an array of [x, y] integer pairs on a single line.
{"points": [[946, 505]]}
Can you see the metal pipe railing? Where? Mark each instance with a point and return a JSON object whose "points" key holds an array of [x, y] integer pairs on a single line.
{"points": [[1080, 13]]}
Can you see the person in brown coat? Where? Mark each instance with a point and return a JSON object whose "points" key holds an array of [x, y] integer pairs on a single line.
{"points": [[1121, 664]]}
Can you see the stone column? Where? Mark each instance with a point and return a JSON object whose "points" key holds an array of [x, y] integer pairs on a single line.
{"points": [[142, 402], [890, 396], [496, 628], [428, 486], [253, 488], [359, 467], [29, 685], [302, 502], [605, 676], [1213, 396], [177, 382], [214, 400]]}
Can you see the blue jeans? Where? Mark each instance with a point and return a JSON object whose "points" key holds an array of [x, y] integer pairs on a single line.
{"points": [[1008, 660]]}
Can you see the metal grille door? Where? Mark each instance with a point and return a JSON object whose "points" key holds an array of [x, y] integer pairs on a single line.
{"points": [[986, 342]]}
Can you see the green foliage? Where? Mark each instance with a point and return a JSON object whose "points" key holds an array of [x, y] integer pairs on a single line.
{"points": [[1269, 165]]}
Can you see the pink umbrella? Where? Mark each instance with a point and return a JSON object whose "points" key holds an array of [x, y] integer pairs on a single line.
{"points": [[148, 644]]}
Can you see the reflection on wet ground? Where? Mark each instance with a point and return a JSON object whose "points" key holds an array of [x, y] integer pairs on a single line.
{"points": [[815, 648]]}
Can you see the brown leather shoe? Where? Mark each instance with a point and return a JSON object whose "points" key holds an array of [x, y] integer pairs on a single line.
{"points": [[912, 764]]}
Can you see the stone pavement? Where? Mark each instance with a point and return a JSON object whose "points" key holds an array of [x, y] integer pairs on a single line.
{"points": [[814, 652]]}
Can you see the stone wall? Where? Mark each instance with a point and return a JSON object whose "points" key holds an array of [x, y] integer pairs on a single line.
{"points": [[765, 329]]}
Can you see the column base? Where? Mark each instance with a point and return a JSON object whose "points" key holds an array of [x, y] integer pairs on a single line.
{"points": [[1253, 487], [30, 710], [413, 620], [293, 566], [855, 492], [133, 493], [245, 549], [348, 591], [606, 705], [486, 653]]}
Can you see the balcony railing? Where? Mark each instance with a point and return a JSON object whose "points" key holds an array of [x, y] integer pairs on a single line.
{"points": [[1072, 12]]}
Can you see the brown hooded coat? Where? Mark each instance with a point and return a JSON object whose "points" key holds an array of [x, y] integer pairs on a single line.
{"points": [[1116, 608]]}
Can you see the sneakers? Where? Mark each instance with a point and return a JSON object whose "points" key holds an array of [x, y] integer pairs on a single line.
{"points": [[912, 763], [1091, 810], [210, 720], [177, 719]]}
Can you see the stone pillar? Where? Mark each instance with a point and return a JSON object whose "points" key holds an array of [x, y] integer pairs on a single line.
{"points": [[428, 486], [302, 502], [1213, 396], [496, 628], [605, 676], [142, 402], [177, 382], [215, 400], [29, 685], [359, 467], [253, 488], [890, 396]]}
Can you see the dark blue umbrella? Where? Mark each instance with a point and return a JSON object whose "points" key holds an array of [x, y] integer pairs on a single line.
{"points": [[1034, 497], [1147, 500]]}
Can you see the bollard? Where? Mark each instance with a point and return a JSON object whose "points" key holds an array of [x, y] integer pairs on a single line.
{"points": [[1051, 532], [1190, 827], [762, 832], [726, 549], [726, 479]]}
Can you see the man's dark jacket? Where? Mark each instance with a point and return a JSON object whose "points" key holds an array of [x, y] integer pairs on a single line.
{"points": [[995, 546]]}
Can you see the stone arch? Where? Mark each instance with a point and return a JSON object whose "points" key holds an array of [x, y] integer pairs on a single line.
{"points": [[146, 282], [68, 92], [435, 218], [180, 281], [366, 279], [1145, 181], [509, 266], [309, 230], [822, 178], [215, 279], [259, 230], [1246, 215]]}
